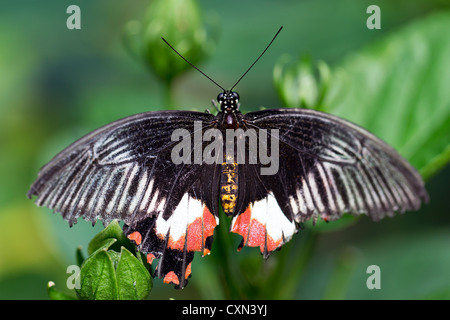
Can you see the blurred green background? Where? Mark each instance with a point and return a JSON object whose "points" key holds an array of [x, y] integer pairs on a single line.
{"points": [[58, 84]]}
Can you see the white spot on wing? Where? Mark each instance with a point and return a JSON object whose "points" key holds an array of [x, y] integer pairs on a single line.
{"points": [[187, 210], [326, 184], [152, 205], [267, 212], [315, 192], [125, 195], [307, 195], [293, 203], [146, 198], [140, 192]]}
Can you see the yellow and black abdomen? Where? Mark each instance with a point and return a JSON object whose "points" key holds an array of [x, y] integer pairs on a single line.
{"points": [[229, 185]]}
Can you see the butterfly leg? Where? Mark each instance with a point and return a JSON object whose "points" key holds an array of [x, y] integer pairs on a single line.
{"points": [[215, 104]]}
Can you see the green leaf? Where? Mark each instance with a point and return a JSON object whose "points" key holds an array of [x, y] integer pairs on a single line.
{"points": [[114, 256], [112, 271], [112, 231], [443, 294], [398, 89], [98, 279], [134, 281], [79, 256], [104, 244]]}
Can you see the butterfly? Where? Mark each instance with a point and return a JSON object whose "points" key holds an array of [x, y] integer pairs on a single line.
{"points": [[167, 173]]}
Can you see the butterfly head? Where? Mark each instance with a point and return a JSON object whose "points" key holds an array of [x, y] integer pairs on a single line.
{"points": [[229, 101]]}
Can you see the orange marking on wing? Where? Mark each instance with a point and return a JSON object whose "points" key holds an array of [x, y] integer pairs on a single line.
{"points": [[200, 229], [209, 223], [242, 223], [272, 244], [178, 244], [150, 258], [206, 252], [188, 271], [160, 236], [171, 277], [257, 235], [136, 237], [254, 232], [194, 238]]}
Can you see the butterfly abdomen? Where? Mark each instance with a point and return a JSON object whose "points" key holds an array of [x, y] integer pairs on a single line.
{"points": [[229, 185]]}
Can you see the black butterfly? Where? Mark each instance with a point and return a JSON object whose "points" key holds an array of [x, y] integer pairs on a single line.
{"points": [[125, 170]]}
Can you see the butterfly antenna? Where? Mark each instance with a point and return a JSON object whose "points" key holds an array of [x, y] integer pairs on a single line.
{"points": [[192, 65], [257, 58]]}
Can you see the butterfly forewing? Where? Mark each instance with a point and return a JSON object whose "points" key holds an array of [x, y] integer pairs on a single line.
{"points": [[329, 166], [118, 170]]}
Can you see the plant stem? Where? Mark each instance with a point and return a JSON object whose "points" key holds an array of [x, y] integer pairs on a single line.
{"points": [[232, 277], [341, 275], [291, 266], [168, 95]]}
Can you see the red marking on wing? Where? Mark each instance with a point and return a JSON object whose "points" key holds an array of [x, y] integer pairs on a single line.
{"points": [[194, 239], [197, 232], [257, 234], [200, 229], [273, 244], [178, 244], [209, 223], [171, 277], [150, 258], [254, 233], [206, 252], [136, 237], [242, 223]]}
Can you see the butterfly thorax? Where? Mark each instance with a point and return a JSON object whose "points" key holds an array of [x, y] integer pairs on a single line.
{"points": [[229, 106]]}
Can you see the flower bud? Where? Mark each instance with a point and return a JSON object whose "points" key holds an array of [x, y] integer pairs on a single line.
{"points": [[298, 85], [181, 23]]}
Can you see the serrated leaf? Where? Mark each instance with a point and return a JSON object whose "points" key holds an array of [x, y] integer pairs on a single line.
{"points": [[134, 281], [103, 244], [98, 278]]}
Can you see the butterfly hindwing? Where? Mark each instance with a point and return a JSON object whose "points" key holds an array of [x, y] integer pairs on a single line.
{"points": [[258, 217], [174, 238]]}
